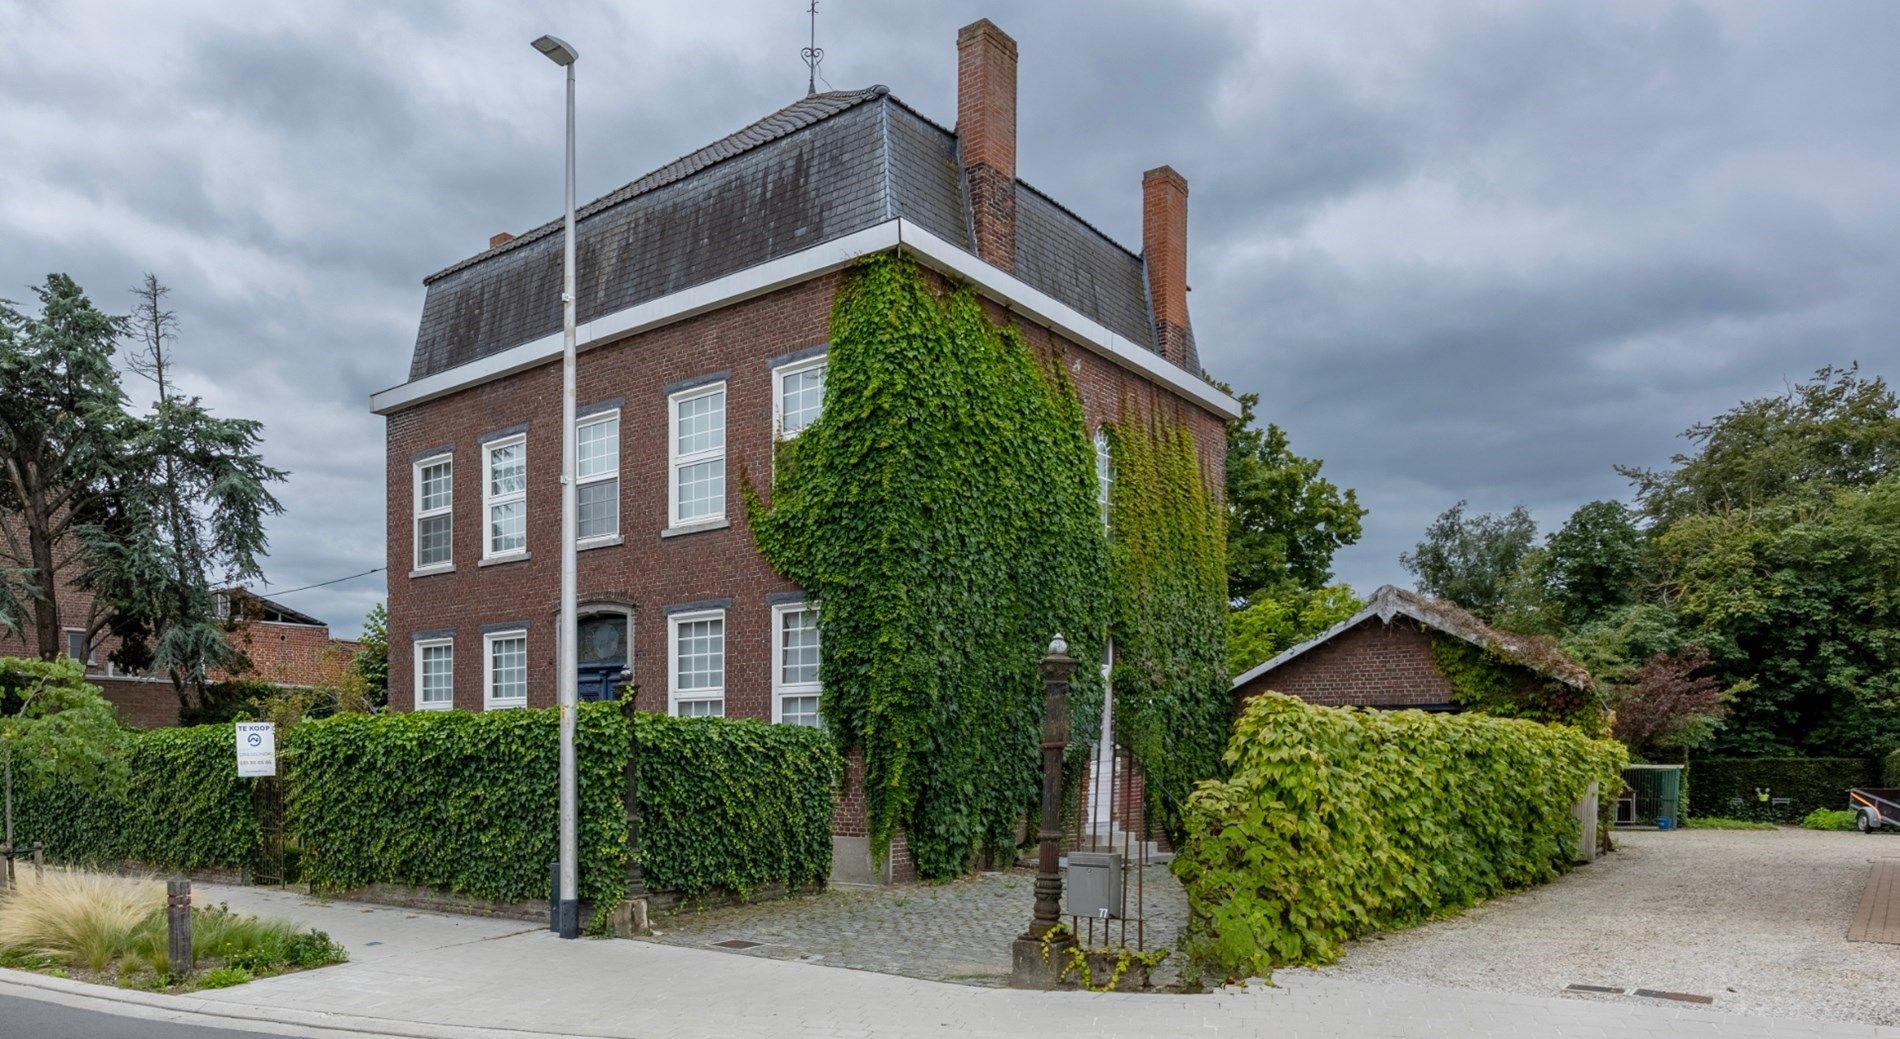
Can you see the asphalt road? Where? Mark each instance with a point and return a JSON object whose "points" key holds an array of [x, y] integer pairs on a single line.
{"points": [[32, 1019]]}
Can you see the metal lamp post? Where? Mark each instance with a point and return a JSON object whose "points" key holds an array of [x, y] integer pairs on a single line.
{"points": [[566, 922], [1032, 965]]}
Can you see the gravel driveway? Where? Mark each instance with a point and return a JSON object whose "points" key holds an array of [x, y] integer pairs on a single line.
{"points": [[1756, 919]]}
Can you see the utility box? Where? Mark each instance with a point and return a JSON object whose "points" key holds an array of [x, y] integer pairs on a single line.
{"points": [[1094, 885]]}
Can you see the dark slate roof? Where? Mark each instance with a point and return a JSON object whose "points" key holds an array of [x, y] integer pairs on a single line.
{"points": [[816, 170]]}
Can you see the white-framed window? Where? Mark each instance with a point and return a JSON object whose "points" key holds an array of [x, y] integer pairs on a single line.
{"points": [[505, 669], [795, 688], [1104, 472], [696, 663], [434, 502], [597, 476], [77, 648], [505, 497], [698, 452], [435, 674], [798, 395]]}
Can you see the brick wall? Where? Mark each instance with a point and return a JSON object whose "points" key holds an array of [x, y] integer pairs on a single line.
{"points": [[1369, 665], [292, 654]]}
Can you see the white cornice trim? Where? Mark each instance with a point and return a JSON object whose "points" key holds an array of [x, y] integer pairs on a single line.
{"points": [[800, 266]]}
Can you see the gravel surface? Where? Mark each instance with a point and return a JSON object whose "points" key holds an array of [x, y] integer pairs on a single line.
{"points": [[1756, 919]]}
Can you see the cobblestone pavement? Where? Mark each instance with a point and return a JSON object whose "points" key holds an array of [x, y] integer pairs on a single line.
{"points": [[958, 931]]}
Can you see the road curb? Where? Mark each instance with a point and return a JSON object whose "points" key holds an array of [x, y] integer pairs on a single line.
{"points": [[158, 1006]]}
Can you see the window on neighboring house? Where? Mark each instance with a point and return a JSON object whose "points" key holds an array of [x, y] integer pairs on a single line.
{"points": [[696, 658], [435, 497], [77, 648], [435, 675], [597, 475], [799, 396], [505, 669], [1104, 472], [699, 455], [505, 496], [795, 688]]}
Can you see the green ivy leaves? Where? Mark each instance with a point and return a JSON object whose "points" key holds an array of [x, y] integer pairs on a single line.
{"points": [[1336, 823]]}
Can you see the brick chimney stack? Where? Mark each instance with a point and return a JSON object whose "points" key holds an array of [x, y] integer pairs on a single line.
{"points": [[1164, 250], [499, 239], [986, 136]]}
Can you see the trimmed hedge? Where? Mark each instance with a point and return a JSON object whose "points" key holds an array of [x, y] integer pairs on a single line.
{"points": [[177, 804], [733, 804], [461, 801], [1727, 786], [467, 802], [1339, 822]]}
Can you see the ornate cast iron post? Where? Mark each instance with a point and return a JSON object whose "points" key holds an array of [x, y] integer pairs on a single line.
{"points": [[1034, 966]]}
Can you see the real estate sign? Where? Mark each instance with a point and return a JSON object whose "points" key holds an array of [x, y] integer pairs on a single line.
{"points": [[256, 749]]}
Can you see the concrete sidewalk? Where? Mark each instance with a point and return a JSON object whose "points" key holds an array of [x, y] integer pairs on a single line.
{"points": [[426, 974]]}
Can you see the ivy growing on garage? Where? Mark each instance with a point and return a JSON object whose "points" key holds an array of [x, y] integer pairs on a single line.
{"points": [[1484, 679], [942, 515]]}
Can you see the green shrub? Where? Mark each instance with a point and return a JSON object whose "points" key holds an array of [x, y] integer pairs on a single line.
{"points": [[1733, 786], [460, 801], [177, 804], [1338, 822], [1829, 819], [224, 977], [1716, 822], [733, 804]]}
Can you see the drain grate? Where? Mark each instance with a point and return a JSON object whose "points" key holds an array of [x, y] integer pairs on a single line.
{"points": [[1595, 988], [736, 943], [1646, 993]]}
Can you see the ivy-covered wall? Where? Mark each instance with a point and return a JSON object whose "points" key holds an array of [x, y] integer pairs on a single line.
{"points": [[942, 515], [1167, 547], [1484, 680]]}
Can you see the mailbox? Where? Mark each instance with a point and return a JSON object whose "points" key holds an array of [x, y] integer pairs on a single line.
{"points": [[1094, 885]]}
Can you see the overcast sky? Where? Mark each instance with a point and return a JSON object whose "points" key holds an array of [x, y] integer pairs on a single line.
{"points": [[1461, 250]]}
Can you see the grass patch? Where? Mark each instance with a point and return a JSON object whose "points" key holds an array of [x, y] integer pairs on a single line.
{"points": [[1829, 819], [112, 930], [1716, 822]]}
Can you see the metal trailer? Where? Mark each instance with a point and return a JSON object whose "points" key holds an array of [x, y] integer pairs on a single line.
{"points": [[1874, 807]]}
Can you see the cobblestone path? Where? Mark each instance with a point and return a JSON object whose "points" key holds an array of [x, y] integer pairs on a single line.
{"points": [[958, 931]]}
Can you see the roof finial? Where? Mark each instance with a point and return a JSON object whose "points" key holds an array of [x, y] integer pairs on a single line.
{"points": [[813, 54]]}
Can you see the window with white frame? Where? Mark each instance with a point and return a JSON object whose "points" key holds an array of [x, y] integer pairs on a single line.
{"points": [[505, 669], [798, 397], [505, 496], [795, 688], [696, 660], [698, 453], [77, 648], [1104, 473], [434, 501], [435, 674], [597, 475]]}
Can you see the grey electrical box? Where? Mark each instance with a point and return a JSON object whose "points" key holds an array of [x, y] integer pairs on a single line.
{"points": [[1095, 884]]}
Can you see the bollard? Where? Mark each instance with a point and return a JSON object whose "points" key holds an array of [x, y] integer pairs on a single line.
{"points": [[178, 925]]}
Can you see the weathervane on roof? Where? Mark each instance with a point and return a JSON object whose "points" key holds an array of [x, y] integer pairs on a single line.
{"points": [[813, 54]]}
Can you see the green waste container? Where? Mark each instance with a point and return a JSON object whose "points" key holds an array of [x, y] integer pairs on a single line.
{"points": [[1652, 796]]}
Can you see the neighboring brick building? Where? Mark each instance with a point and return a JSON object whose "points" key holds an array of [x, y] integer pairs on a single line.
{"points": [[1382, 657], [704, 294]]}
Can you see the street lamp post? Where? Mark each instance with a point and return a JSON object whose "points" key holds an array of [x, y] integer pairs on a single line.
{"points": [[566, 922]]}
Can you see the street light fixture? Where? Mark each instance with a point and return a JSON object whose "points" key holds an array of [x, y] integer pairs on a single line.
{"points": [[566, 922]]}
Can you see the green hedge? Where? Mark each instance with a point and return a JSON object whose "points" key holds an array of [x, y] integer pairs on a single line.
{"points": [[1336, 823], [177, 804], [733, 804], [1728, 786], [461, 801]]}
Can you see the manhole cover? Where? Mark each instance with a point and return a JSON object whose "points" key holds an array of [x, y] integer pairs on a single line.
{"points": [[736, 943]]}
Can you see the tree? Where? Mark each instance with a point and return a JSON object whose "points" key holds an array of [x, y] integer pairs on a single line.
{"points": [[1594, 563], [145, 512], [371, 663], [1473, 561], [1264, 628], [1672, 702], [50, 717], [1836, 430], [1284, 520]]}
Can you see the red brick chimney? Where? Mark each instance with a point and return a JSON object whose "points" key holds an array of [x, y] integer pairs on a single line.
{"points": [[986, 136], [499, 239], [1164, 250]]}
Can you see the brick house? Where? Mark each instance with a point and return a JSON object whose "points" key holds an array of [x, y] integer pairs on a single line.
{"points": [[1381, 657], [705, 289]]}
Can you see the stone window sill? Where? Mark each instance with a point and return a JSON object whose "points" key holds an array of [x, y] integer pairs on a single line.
{"points": [[601, 542], [513, 557], [431, 571], [695, 528]]}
